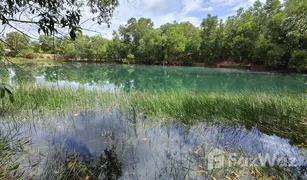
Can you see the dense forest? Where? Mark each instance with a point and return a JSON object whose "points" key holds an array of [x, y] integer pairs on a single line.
{"points": [[271, 34]]}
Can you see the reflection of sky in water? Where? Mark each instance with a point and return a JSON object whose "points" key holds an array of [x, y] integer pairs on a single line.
{"points": [[12, 75], [40, 80], [149, 149]]}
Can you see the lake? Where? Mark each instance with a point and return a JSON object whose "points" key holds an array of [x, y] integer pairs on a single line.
{"points": [[114, 76], [131, 145]]}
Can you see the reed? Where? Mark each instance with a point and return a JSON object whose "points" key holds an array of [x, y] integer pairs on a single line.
{"points": [[278, 113]]}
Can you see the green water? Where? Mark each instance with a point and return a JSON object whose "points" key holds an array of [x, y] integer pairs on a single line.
{"points": [[112, 76]]}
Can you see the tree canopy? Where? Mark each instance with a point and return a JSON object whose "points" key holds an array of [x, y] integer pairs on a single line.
{"points": [[270, 33]]}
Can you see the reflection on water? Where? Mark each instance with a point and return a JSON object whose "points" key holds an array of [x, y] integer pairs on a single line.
{"points": [[112, 76], [150, 150]]}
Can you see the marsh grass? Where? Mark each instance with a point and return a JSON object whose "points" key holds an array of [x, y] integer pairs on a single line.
{"points": [[237, 172], [105, 166], [283, 114], [37, 100], [11, 149]]}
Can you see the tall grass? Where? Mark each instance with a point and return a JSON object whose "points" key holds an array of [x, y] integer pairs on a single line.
{"points": [[40, 100], [11, 150], [278, 113], [284, 114]]}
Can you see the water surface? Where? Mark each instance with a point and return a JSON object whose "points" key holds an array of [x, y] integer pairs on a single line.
{"points": [[149, 149], [138, 77]]}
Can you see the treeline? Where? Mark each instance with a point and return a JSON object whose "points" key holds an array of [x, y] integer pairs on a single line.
{"points": [[270, 33]]}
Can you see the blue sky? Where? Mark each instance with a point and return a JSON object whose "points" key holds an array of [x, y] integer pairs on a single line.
{"points": [[164, 11]]}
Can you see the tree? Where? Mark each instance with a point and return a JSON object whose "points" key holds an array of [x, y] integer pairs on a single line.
{"points": [[150, 48], [192, 34], [17, 42], [47, 44], [50, 15], [98, 46], [208, 34], [133, 33], [173, 40], [116, 49]]}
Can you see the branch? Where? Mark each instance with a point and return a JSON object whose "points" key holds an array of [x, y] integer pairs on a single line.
{"points": [[24, 34], [23, 21]]}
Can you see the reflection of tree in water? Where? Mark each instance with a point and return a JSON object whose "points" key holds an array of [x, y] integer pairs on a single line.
{"points": [[24, 73]]}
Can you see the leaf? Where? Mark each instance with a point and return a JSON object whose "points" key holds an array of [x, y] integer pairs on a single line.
{"points": [[72, 34]]}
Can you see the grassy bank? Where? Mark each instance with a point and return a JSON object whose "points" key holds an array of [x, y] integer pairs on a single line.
{"points": [[278, 113]]}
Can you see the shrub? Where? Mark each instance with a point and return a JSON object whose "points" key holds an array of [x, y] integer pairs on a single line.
{"points": [[275, 55], [187, 61], [130, 59], [298, 59], [27, 53]]}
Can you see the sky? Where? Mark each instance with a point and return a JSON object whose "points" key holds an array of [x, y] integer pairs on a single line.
{"points": [[167, 11], [159, 11]]}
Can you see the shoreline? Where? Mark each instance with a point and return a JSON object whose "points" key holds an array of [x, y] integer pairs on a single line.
{"points": [[219, 64]]}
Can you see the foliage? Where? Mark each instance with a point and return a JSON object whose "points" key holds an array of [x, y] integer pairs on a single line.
{"points": [[16, 42], [26, 53], [209, 35], [54, 14], [269, 34], [299, 59], [130, 59]]}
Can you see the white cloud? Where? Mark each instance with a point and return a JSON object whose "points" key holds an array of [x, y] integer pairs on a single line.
{"points": [[194, 6], [160, 11], [194, 20]]}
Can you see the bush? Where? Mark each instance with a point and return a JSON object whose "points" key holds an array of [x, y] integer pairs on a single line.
{"points": [[275, 55], [187, 61], [298, 59], [27, 53], [130, 59]]}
